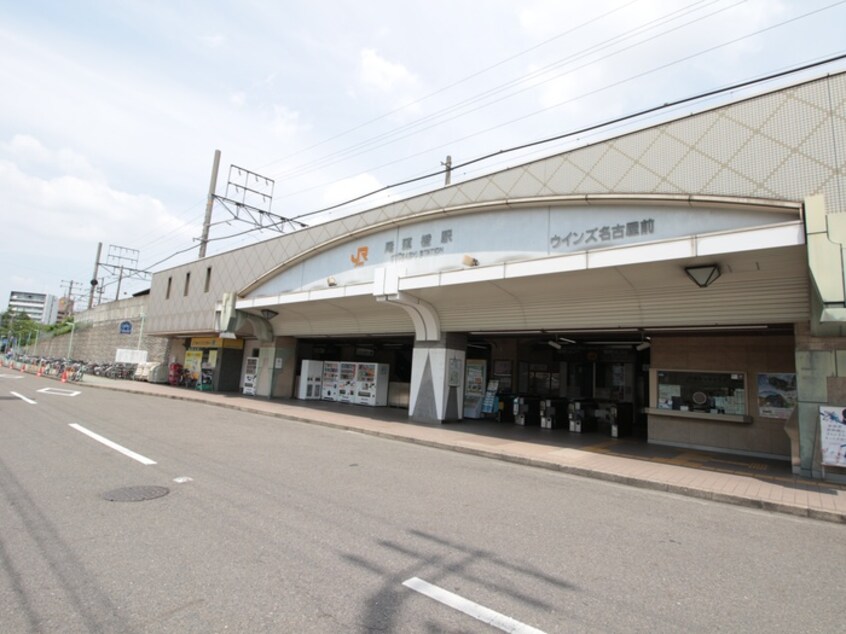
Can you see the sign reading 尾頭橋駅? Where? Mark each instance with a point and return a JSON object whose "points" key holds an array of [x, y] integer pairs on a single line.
{"points": [[509, 235]]}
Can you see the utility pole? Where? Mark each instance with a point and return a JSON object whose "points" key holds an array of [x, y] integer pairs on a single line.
{"points": [[120, 279], [71, 295], [448, 170], [209, 204], [94, 277]]}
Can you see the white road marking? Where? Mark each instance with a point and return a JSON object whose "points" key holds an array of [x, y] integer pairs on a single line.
{"points": [[183, 479], [115, 446], [478, 612], [57, 391], [10, 376], [23, 398]]}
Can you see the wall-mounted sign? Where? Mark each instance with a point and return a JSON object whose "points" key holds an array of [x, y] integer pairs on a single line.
{"points": [[360, 257], [216, 342], [125, 328], [833, 435], [504, 235]]}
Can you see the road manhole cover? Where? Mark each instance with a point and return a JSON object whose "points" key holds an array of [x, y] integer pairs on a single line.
{"points": [[135, 494]]}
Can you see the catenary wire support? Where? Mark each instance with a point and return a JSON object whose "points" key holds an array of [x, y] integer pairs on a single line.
{"points": [[248, 198]]}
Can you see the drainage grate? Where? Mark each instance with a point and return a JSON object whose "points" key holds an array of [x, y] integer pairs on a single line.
{"points": [[135, 494]]}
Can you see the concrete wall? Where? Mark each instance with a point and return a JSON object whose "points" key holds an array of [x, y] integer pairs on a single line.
{"points": [[97, 337]]}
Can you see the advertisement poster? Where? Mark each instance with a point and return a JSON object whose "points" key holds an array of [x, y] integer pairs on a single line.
{"points": [[474, 387], [776, 395], [475, 378], [666, 394], [194, 362], [833, 436]]}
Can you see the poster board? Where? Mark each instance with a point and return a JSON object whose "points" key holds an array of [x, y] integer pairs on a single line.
{"points": [[777, 394], [475, 372], [833, 436], [490, 403], [194, 363]]}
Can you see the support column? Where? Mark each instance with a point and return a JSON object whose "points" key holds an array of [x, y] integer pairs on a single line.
{"points": [[276, 368], [284, 368], [437, 379]]}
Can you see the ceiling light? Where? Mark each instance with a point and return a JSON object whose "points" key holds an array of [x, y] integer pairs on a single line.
{"points": [[703, 275]]}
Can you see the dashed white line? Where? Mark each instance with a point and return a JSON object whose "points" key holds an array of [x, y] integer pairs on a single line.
{"points": [[478, 612], [23, 398], [126, 452]]}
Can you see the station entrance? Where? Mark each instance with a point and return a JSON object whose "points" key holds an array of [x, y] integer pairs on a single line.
{"points": [[590, 383]]}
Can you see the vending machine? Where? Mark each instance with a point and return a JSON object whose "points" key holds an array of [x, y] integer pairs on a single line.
{"points": [[331, 377], [372, 384], [347, 381], [251, 376], [311, 375]]}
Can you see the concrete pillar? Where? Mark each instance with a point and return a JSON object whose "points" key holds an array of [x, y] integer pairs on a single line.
{"points": [[437, 379], [284, 368], [276, 369]]}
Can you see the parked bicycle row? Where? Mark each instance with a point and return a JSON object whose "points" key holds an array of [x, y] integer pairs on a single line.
{"points": [[72, 369]]}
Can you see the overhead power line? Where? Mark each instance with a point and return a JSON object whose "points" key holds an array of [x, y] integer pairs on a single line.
{"points": [[590, 128], [570, 134]]}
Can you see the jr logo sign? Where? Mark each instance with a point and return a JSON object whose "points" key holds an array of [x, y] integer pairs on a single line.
{"points": [[360, 256]]}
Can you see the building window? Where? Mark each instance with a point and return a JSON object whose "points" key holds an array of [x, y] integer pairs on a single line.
{"points": [[187, 283], [208, 280], [709, 392], [169, 284]]}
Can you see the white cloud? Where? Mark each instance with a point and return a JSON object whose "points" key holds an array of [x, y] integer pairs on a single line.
{"points": [[213, 41], [350, 188], [70, 208], [27, 150], [390, 79], [286, 123], [378, 72], [57, 206], [238, 99]]}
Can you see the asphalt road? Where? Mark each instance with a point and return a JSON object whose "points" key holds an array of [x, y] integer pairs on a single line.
{"points": [[278, 526]]}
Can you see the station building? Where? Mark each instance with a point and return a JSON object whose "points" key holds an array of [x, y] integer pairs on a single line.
{"points": [[685, 279]]}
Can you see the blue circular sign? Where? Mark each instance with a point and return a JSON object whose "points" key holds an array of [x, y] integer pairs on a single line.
{"points": [[126, 327]]}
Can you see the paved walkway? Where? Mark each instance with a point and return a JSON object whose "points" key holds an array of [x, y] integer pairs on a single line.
{"points": [[751, 482]]}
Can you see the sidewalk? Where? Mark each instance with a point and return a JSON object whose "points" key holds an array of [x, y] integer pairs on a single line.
{"points": [[751, 482]]}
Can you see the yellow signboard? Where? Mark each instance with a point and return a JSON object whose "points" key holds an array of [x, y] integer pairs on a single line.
{"points": [[216, 342]]}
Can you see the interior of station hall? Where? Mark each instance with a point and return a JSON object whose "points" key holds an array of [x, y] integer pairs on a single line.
{"points": [[680, 283]]}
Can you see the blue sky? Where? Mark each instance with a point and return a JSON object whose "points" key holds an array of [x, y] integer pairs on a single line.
{"points": [[111, 111]]}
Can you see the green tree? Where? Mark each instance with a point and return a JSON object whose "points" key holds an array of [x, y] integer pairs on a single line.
{"points": [[18, 328]]}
